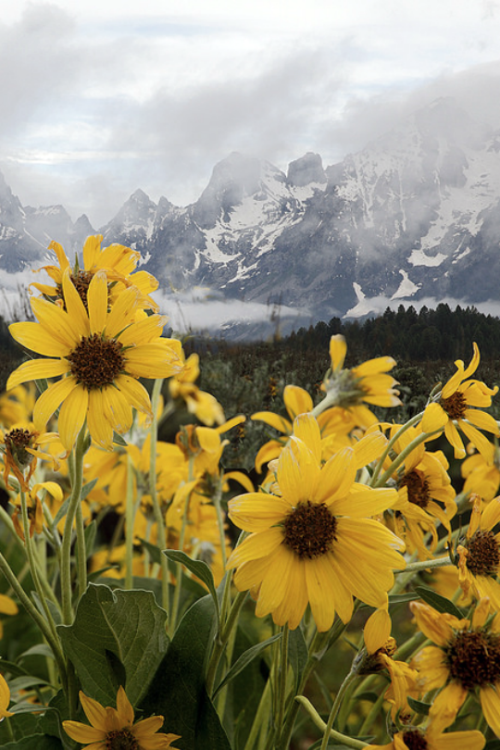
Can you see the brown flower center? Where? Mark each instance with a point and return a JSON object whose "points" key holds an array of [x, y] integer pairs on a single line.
{"points": [[415, 740], [418, 488], [483, 554], [96, 361], [473, 658], [122, 739], [455, 405], [16, 442], [82, 281], [310, 529]]}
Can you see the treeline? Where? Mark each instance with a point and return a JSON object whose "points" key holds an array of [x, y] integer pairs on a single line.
{"points": [[405, 334]]}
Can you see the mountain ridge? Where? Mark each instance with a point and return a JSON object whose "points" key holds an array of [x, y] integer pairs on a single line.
{"points": [[413, 215]]}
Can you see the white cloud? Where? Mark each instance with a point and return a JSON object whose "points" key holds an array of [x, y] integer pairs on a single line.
{"points": [[100, 98]]}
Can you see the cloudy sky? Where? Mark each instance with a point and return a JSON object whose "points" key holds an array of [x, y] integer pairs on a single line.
{"points": [[102, 97]]}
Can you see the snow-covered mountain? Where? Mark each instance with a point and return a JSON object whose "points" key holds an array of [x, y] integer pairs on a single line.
{"points": [[413, 215]]}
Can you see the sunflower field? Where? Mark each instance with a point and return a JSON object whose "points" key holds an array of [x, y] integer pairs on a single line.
{"points": [[173, 577]]}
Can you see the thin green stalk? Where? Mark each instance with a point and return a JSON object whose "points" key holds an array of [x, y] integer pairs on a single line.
{"points": [[178, 566], [129, 525], [37, 617], [34, 569], [416, 567], [401, 458], [319, 644], [161, 531], [220, 643], [332, 734], [282, 675], [392, 441], [258, 725], [81, 549], [217, 497], [76, 489], [372, 714], [335, 708]]}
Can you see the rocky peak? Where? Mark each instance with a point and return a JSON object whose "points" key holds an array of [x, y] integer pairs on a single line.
{"points": [[307, 169]]}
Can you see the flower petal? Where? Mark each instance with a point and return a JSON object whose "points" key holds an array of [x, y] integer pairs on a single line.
{"points": [[72, 416], [37, 369], [50, 400]]}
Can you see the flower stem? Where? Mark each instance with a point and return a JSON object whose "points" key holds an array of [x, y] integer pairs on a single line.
{"points": [[74, 500], [335, 708], [282, 676], [161, 532], [37, 617], [129, 525], [332, 734]]}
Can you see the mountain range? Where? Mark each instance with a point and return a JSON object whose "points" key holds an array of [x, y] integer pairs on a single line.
{"points": [[412, 216]]}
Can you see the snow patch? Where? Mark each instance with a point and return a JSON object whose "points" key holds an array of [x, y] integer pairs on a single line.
{"points": [[406, 288], [419, 258]]}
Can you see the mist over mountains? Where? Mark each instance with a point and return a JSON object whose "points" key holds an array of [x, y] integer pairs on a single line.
{"points": [[413, 216]]}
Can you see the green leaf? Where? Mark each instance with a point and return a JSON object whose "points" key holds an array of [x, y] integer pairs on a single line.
{"points": [[437, 601], [419, 706], [119, 440], [177, 691], [198, 568], [297, 653], [41, 649], [115, 634], [402, 598], [492, 745], [245, 659], [88, 487]]}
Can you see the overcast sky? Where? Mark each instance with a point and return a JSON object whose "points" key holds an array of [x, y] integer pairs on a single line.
{"points": [[101, 97]]}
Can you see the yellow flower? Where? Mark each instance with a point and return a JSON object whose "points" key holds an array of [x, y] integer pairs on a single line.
{"points": [[312, 540], [466, 658], [119, 263], [203, 405], [424, 487], [482, 473], [16, 407], [478, 555], [114, 728], [335, 424], [297, 401], [20, 453], [431, 739], [458, 402], [100, 354], [368, 382], [4, 699]]}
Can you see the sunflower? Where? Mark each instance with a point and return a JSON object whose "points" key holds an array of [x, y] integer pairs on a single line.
{"points": [[337, 425], [312, 539], [425, 493], [119, 263], [200, 403], [19, 453], [415, 738], [478, 554], [100, 354], [457, 402], [482, 474], [368, 383], [114, 728], [465, 659], [297, 401]]}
